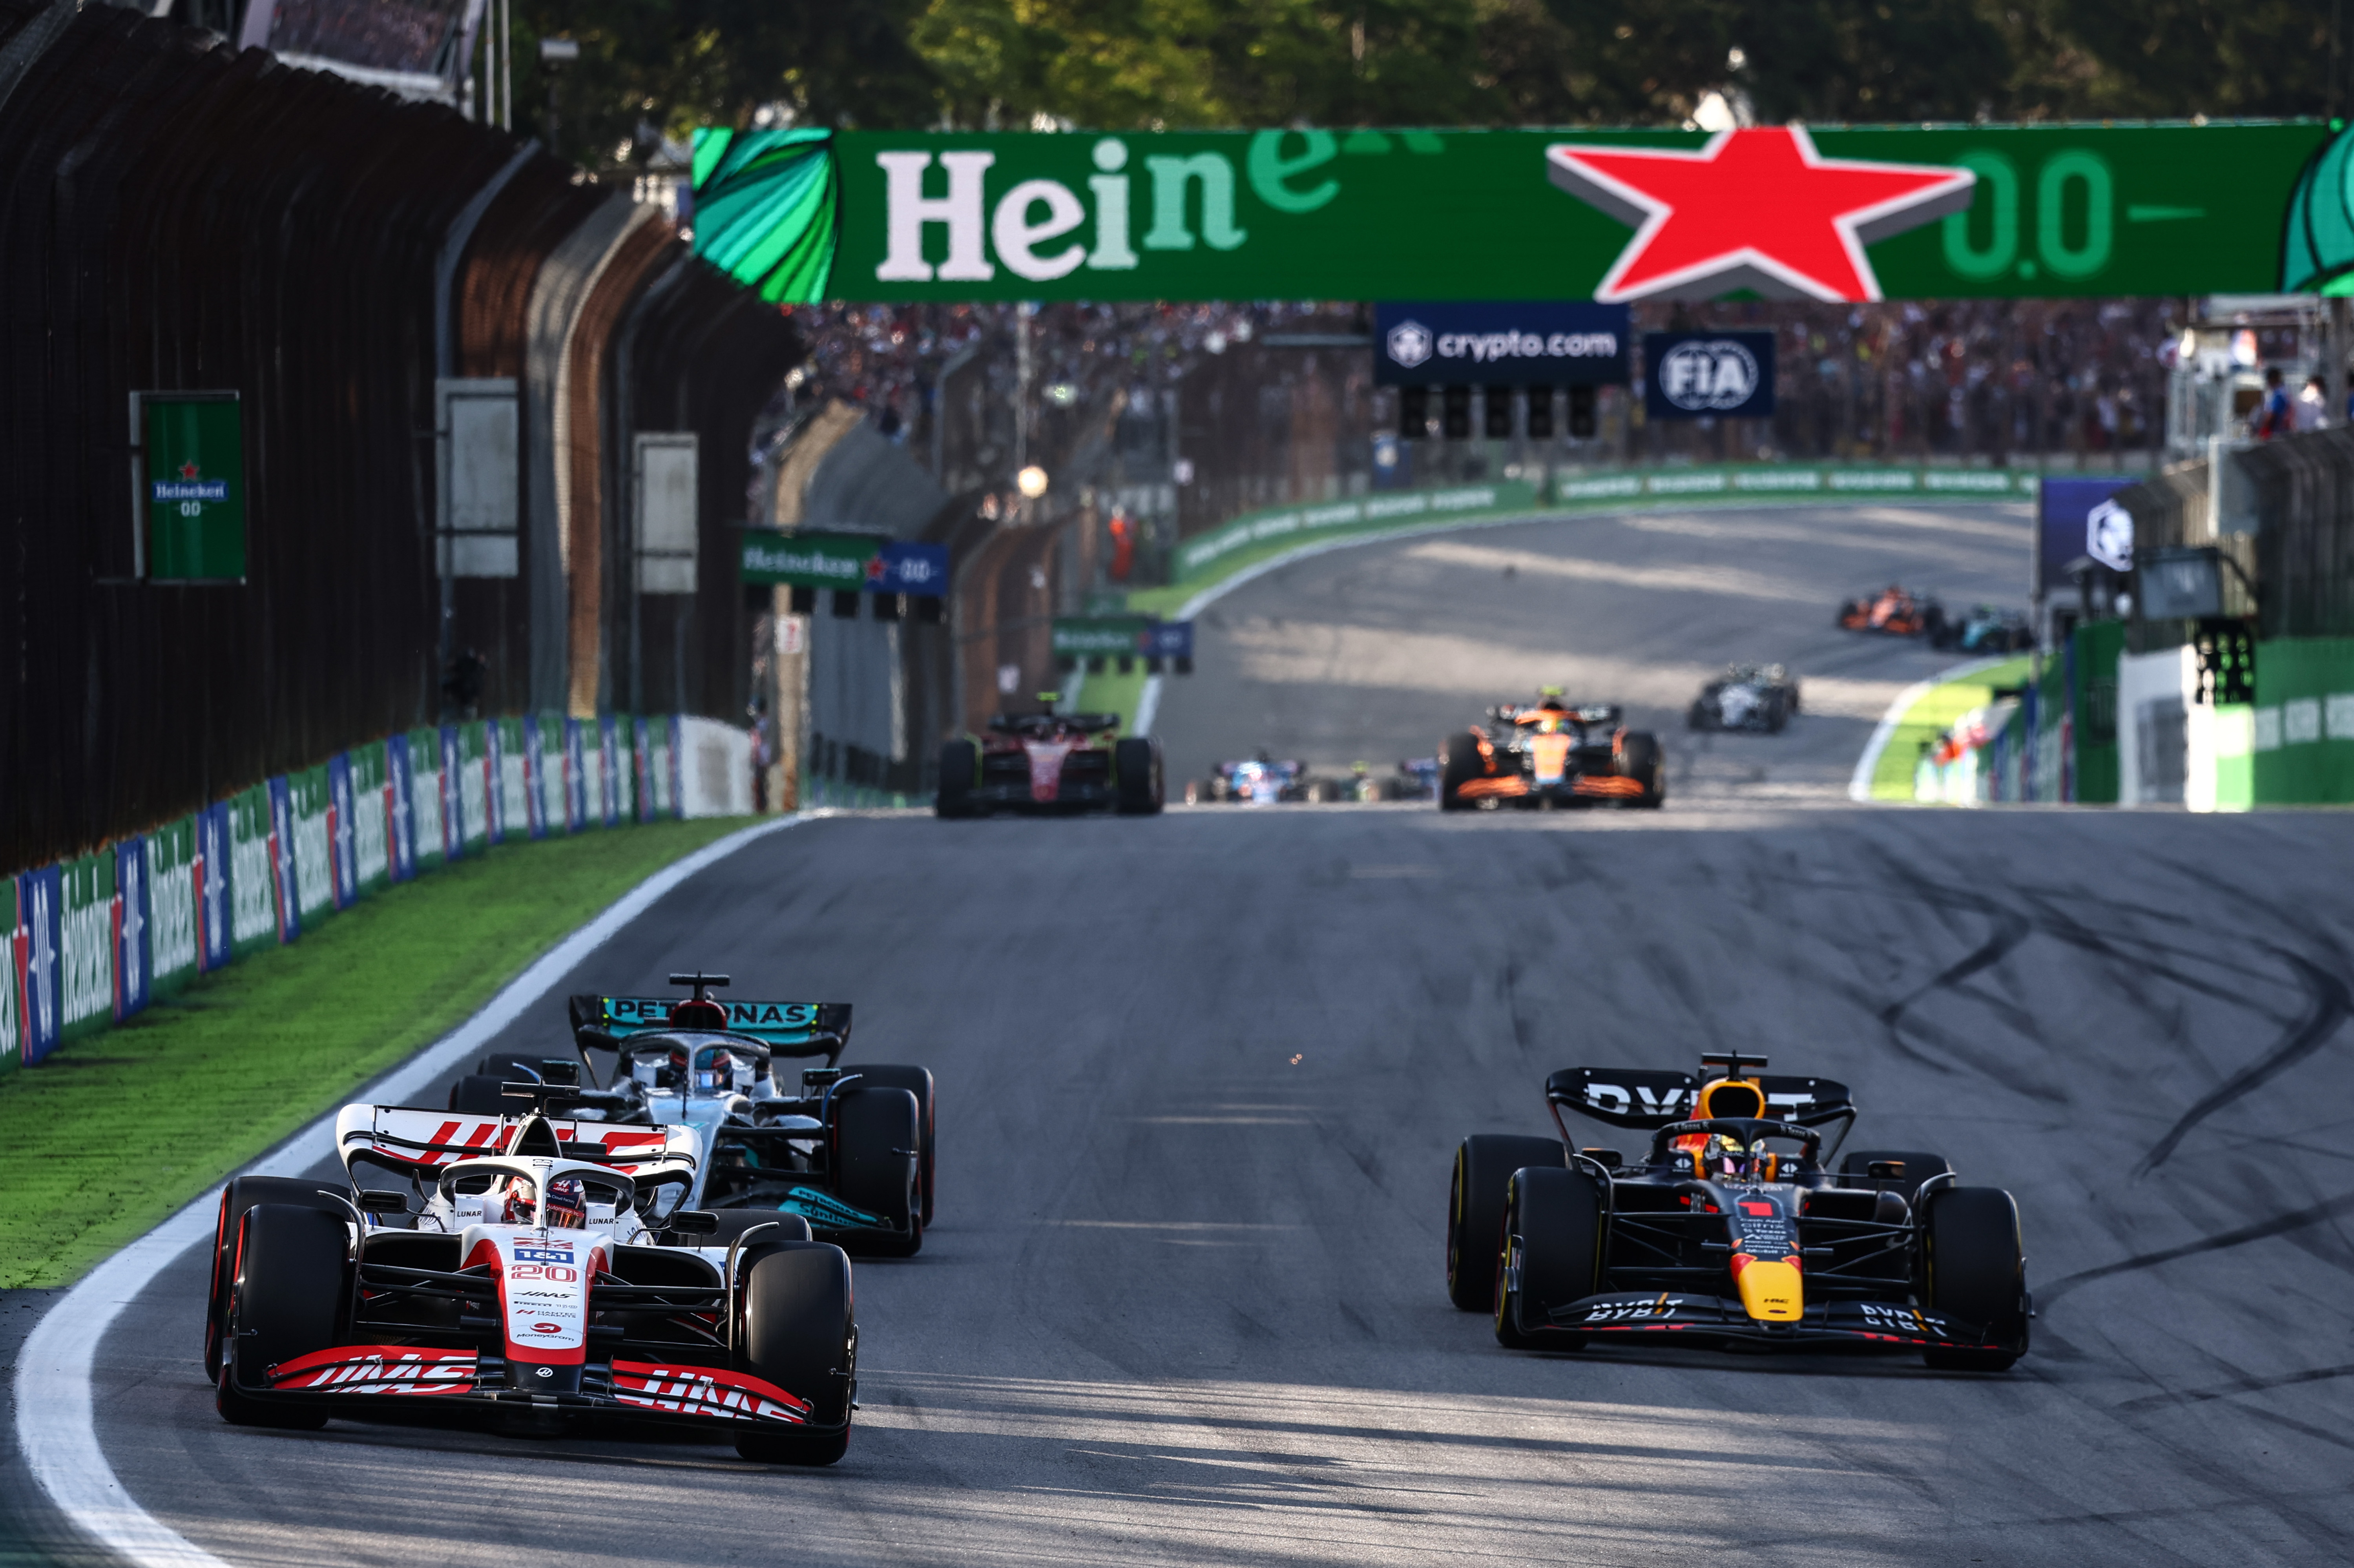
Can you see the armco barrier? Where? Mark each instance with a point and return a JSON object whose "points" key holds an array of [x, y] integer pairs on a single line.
{"points": [[94, 939], [1418, 509]]}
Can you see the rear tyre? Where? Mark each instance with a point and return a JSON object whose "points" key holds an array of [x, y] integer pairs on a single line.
{"points": [[1972, 1268], [1918, 1168], [1136, 763], [959, 766], [795, 1330], [1475, 1210], [916, 1081], [877, 1142], [1550, 1256], [242, 1194], [288, 1299], [1460, 762], [1639, 757], [479, 1094]]}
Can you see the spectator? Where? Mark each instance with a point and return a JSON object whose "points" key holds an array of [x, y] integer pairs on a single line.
{"points": [[2313, 404], [2272, 417]]}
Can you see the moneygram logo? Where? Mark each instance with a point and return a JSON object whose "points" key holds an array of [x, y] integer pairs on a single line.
{"points": [[1409, 344], [1708, 376]]}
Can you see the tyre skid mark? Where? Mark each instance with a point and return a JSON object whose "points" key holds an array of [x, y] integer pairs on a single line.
{"points": [[2279, 1224]]}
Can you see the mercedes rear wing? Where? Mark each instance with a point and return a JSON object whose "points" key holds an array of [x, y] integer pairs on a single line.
{"points": [[786, 1028]]}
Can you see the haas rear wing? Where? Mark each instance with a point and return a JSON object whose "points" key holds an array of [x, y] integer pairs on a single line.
{"points": [[1649, 1098], [787, 1028]]}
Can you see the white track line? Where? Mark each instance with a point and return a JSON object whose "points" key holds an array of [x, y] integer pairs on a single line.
{"points": [[55, 1429], [1858, 786]]}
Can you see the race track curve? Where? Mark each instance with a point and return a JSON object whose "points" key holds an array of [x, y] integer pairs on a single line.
{"points": [[1200, 1077]]}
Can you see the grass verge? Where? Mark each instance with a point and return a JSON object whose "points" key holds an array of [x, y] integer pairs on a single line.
{"points": [[1928, 717], [110, 1135]]}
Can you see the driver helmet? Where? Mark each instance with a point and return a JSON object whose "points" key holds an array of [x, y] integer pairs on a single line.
{"points": [[568, 1204]]}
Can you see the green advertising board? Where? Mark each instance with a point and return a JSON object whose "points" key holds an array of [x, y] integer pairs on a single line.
{"points": [[86, 945], [1087, 637], [191, 485], [1834, 212], [808, 560], [172, 906]]}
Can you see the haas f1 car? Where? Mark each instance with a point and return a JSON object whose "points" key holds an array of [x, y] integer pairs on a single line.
{"points": [[1550, 755], [1050, 762], [1894, 612], [1747, 696], [1731, 1228], [553, 1261]]}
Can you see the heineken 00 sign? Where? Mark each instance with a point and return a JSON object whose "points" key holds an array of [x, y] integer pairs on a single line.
{"points": [[189, 470]]}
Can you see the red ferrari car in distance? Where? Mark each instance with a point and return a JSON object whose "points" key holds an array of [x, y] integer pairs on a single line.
{"points": [[1048, 761]]}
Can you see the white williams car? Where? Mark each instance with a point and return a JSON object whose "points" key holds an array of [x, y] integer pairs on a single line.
{"points": [[1747, 696]]}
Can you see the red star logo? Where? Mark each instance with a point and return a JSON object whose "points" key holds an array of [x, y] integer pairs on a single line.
{"points": [[1756, 209], [189, 470]]}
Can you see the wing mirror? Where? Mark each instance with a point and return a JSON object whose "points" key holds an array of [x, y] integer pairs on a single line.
{"points": [[692, 1223], [380, 1202], [1885, 1170]]}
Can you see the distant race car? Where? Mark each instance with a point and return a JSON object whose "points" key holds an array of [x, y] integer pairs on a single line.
{"points": [[1896, 612], [1260, 780], [1710, 1237], [591, 1254], [1415, 778], [1050, 762], [1747, 696], [1551, 754], [1986, 629]]}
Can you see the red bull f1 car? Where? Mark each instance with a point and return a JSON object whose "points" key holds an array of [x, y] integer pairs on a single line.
{"points": [[1051, 762], [1731, 1228], [1551, 754], [551, 1262]]}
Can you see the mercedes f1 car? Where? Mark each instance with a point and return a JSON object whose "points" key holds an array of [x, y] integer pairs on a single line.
{"points": [[1260, 780], [1986, 629], [1894, 611], [1050, 762], [1712, 1236], [1551, 754], [1747, 696], [550, 1261]]}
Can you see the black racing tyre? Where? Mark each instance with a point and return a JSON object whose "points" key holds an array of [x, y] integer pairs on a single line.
{"points": [[242, 1194], [1136, 765], [794, 1329], [1794, 697], [291, 1298], [479, 1094], [1460, 762], [1639, 757], [1851, 607], [1934, 622], [878, 1144], [1550, 1255], [1700, 717], [1484, 1165], [500, 1065], [1972, 1268], [959, 766], [1918, 1168], [916, 1081]]}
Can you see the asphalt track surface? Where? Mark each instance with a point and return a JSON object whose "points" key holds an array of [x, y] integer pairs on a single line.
{"points": [[1200, 1077]]}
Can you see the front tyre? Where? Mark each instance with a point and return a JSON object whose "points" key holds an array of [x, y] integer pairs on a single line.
{"points": [[1484, 1165], [1639, 757], [1136, 765], [242, 1194], [795, 1330], [1550, 1256], [877, 1153], [1972, 1268], [959, 767], [289, 1299], [1460, 762]]}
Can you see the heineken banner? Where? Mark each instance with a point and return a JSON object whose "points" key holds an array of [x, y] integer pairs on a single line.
{"points": [[845, 561], [86, 944], [1835, 214], [252, 893], [371, 816], [311, 807], [172, 903]]}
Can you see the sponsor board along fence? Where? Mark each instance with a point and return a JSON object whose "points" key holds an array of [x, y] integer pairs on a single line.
{"points": [[92, 940]]}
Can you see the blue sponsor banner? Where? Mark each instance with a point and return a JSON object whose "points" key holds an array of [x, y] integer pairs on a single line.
{"points": [[282, 862], [494, 754], [342, 836], [1167, 640], [453, 819], [401, 860], [1708, 375], [608, 767], [2075, 522], [216, 940], [134, 910], [40, 905], [575, 777], [535, 761], [904, 568], [1490, 343]]}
